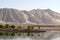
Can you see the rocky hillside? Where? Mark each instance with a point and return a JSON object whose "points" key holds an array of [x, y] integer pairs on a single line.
{"points": [[35, 16]]}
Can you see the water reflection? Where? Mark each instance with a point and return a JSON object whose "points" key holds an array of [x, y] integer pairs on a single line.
{"points": [[56, 38], [19, 36]]}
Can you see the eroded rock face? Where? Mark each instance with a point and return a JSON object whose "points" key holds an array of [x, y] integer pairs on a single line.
{"points": [[35, 16], [50, 35]]}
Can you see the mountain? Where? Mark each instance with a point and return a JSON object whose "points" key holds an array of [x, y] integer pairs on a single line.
{"points": [[35, 16]]}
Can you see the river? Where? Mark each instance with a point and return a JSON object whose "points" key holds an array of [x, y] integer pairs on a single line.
{"points": [[50, 35]]}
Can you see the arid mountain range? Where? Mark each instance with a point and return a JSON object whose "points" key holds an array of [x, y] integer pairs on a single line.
{"points": [[35, 16]]}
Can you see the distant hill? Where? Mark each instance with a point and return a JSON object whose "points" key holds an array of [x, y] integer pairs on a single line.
{"points": [[35, 16]]}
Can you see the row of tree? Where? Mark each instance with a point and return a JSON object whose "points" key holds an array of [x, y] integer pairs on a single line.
{"points": [[7, 26], [23, 27], [13, 26]]}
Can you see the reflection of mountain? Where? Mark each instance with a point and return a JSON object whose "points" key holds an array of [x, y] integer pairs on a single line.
{"points": [[38, 16]]}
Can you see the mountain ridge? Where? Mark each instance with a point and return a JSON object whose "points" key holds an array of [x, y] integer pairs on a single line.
{"points": [[35, 16]]}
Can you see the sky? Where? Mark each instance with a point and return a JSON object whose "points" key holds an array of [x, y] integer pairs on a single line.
{"points": [[31, 4]]}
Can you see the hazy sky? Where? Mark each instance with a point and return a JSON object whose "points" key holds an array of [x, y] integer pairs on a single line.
{"points": [[31, 4]]}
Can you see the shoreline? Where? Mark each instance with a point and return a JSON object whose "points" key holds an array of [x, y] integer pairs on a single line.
{"points": [[13, 30]]}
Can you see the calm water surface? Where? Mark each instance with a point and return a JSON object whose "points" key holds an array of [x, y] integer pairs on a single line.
{"points": [[50, 35], [19, 36]]}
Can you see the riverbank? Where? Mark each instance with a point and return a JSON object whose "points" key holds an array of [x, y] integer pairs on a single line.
{"points": [[13, 30]]}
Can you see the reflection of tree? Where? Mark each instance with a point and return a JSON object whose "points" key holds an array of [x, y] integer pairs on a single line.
{"points": [[12, 36], [28, 34]]}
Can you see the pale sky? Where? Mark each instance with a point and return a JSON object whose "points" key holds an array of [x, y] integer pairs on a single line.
{"points": [[31, 4]]}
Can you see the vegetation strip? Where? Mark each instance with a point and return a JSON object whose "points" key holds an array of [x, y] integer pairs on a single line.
{"points": [[14, 29]]}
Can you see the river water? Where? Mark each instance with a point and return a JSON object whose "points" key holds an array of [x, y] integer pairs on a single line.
{"points": [[20, 36], [50, 35]]}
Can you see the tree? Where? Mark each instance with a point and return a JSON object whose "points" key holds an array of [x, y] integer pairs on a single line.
{"points": [[1, 26], [7, 26], [28, 27], [31, 27], [20, 27], [12, 26]]}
